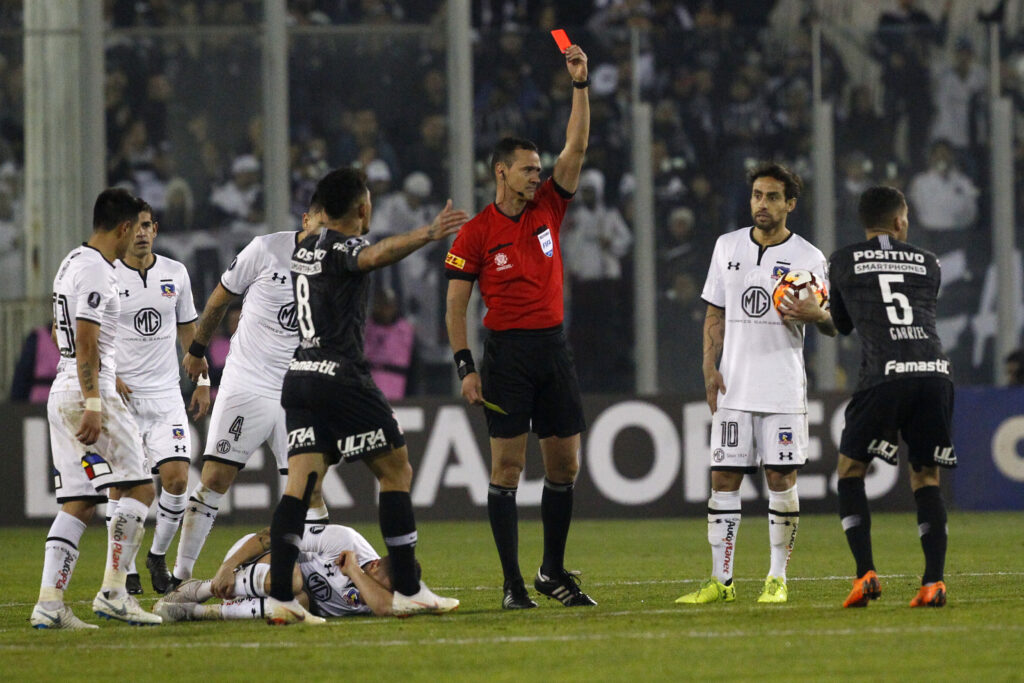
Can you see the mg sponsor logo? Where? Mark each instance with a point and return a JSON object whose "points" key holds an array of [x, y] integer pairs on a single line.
{"points": [[287, 318], [147, 322], [755, 301]]}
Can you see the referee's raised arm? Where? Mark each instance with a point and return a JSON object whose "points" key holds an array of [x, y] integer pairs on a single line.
{"points": [[577, 133]]}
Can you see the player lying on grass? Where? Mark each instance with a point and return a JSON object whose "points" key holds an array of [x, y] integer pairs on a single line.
{"points": [[338, 573]]}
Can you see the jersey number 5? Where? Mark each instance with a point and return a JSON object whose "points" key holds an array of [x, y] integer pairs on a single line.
{"points": [[900, 313], [303, 311]]}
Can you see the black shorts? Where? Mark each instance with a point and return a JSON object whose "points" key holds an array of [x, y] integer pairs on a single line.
{"points": [[343, 422], [531, 375], [920, 409]]}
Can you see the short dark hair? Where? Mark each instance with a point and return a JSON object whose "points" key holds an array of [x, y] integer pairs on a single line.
{"points": [[144, 206], [340, 190], [505, 150], [114, 206], [878, 205], [772, 169]]}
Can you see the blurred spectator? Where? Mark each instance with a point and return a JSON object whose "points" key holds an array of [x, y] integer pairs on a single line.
{"points": [[389, 344], [861, 127], [1015, 368], [12, 241], [956, 89], [378, 178], [36, 368], [240, 200], [362, 141], [429, 154], [856, 177], [943, 198], [595, 240]]}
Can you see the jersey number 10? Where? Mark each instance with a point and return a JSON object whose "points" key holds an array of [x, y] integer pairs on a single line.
{"points": [[900, 312]]}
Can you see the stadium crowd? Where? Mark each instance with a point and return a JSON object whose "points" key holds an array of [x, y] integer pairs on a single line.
{"points": [[727, 86]]}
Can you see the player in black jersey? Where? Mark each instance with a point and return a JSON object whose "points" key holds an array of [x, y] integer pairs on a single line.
{"points": [[887, 290], [333, 408]]}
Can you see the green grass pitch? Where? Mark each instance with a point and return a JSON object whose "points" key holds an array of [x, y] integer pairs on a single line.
{"points": [[633, 568]]}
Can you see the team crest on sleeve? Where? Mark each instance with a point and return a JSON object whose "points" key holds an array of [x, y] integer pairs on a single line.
{"points": [[454, 261], [95, 466], [94, 299], [785, 436], [167, 289]]}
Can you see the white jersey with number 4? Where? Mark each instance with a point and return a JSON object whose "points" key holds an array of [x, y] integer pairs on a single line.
{"points": [[85, 288], [268, 330], [153, 303], [762, 358]]}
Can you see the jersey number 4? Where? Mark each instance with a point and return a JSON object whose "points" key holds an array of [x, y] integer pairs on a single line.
{"points": [[899, 310], [303, 312]]}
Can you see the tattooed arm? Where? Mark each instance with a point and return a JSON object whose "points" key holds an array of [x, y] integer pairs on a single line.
{"points": [[87, 358], [714, 339], [223, 584], [209, 321]]}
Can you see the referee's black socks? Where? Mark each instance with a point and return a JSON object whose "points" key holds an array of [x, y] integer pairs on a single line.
{"points": [[931, 525], [286, 528], [398, 526], [556, 513], [501, 509], [856, 519]]}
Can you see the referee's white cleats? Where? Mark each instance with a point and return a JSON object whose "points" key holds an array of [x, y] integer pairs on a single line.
{"points": [[423, 602]]}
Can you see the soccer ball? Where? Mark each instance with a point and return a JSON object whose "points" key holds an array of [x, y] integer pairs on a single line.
{"points": [[800, 284]]}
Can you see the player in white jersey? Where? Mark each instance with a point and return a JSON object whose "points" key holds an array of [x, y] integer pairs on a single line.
{"points": [[248, 409], [337, 574], [758, 392], [94, 440], [156, 310]]}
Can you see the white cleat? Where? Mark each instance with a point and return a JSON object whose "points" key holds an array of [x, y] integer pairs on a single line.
{"points": [[187, 591], [279, 613], [173, 611], [125, 608], [423, 602], [62, 617]]}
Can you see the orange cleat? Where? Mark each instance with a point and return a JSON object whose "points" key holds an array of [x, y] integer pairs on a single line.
{"points": [[930, 595], [865, 589]]}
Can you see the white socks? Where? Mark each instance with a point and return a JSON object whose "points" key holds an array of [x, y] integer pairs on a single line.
{"points": [[59, 558], [169, 511], [783, 521], [111, 511], [723, 526], [124, 537], [200, 512]]}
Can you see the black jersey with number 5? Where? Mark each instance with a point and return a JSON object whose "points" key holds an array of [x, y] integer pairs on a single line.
{"points": [[331, 297], [887, 290]]}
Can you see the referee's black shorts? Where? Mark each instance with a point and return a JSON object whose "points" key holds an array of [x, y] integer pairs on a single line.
{"points": [[531, 375], [339, 420], [920, 409]]}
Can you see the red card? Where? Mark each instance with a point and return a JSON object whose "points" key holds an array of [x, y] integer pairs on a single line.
{"points": [[561, 38]]}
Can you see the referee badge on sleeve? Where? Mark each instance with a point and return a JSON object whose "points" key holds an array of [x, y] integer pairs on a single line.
{"points": [[547, 244], [454, 261]]}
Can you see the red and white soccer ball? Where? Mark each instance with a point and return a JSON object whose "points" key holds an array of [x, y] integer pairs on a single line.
{"points": [[800, 284]]}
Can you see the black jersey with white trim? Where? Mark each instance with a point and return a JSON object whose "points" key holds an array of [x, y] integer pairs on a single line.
{"points": [[888, 290], [331, 298]]}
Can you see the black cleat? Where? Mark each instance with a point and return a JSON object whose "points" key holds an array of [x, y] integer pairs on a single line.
{"points": [[173, 582], [564, 587], [157, 566], [133, 584], [516, 597]]}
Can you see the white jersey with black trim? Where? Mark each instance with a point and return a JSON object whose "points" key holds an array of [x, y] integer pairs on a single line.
{"points": [[153, 303], [333, 594], [268, 330], [85, 288], [762, 359]]}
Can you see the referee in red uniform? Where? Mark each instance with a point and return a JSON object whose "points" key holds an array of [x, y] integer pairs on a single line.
{"points": [[512, 248]]}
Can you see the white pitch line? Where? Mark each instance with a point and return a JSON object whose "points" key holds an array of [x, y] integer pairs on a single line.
{"points": [[506, 640]]}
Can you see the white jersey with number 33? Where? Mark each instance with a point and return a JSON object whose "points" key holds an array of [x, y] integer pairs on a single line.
{"points": [[762, 358], [267, 333]]}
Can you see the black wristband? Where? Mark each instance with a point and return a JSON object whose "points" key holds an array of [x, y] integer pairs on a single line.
{"points": [[464, 363], [581, 84], [196, 349]]}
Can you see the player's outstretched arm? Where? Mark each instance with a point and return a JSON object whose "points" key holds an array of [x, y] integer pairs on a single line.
{"points": [[395, 248], [87, 357], [714, 340], [456, 305], [209, 321], [577, 133], [376, 596]]}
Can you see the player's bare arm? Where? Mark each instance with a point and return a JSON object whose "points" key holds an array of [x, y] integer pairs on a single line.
{"points": [[577, 134], [393, 249], [457, 303], [87, 355], [223, 583], [200, 403], [123, 390], [714, 340], [807, 310], [209, 321], [376, 596]]}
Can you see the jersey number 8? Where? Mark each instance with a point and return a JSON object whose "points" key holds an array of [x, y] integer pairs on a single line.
{"points": [[303, 311]]}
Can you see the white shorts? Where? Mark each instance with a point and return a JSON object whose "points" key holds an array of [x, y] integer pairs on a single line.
{"points": [[742, 440], [239, 424], [83, 472], [163, 424]]}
